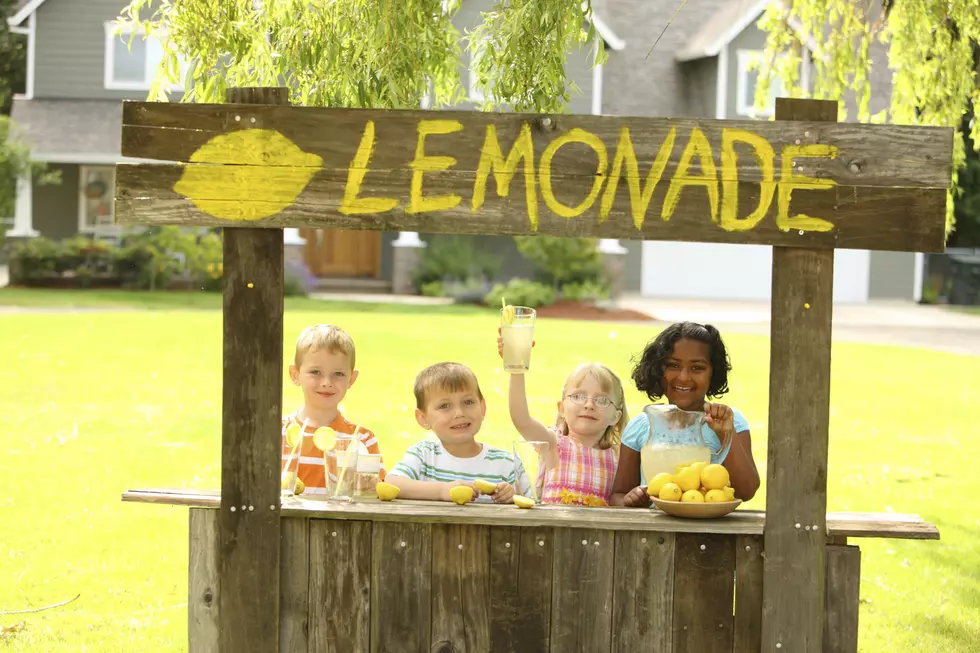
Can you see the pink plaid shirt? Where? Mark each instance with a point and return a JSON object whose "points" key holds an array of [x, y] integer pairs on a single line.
{"points": [[584, 475]]}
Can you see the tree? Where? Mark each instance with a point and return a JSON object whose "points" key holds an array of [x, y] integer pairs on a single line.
{"points": [[932, 48], [13, 59], [365, 53]]}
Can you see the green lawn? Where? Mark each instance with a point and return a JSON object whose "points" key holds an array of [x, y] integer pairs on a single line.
{"points": [[93, 403]]}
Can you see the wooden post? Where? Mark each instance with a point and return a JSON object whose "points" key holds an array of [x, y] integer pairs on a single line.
{"points": [[799, 412], [248, 529]]}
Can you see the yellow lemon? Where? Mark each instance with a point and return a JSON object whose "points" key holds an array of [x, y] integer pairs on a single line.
{"points": [[523, 502], [485, 486], [670, 492], [660, 480], [386, 491], [287, 478], [256, 161], [714, 477], [507, 314], [699, 466], [716, 496], [688, 479], [729, 492], [692, 496], [324, 438], [300, 486], [461, 494], [293, 435]]}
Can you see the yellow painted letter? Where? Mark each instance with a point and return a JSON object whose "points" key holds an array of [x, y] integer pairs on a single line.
{"points": [[492, 158], [698, 145], [352, 204], [544, 173], [729, 176], [788, 181], [639, 201], [423, 163]]}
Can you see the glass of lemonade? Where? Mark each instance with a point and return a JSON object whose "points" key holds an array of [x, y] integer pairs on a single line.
{"points": [[341, 468], [517, 330]]}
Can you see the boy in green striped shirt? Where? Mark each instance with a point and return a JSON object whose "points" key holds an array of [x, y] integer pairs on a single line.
{"points": [[449, 403]]}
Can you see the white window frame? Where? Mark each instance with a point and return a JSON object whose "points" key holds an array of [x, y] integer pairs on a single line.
{"points": [[745, 105], [84, 228], [150, 66]]}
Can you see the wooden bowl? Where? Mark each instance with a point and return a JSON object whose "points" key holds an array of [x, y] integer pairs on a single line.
{"points": [[692, 510]]}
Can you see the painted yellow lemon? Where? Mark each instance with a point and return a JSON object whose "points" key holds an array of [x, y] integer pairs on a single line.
{"points": [[670, 492], [485, 486], [660, 480], [293, 435], [523, 502], [461, 494], [324, 438], [716, 496], [256, 162], [688, 479], [692, 496], [386, 491], [714, 477]]}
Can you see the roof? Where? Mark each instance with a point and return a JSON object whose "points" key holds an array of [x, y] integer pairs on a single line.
{"points": [[606, 33], [70, 131], [723, 26], [23, 9]]}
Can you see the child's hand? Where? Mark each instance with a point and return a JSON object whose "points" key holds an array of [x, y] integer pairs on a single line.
{"points": [[500, 343], [637, 498], [504, 493], [446, 487], [720, 418]]}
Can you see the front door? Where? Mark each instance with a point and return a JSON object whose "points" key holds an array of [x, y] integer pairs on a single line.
{"points": [[343, 252]]}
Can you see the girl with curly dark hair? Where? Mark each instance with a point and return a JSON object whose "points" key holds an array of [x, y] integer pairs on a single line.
{"points": [[686, 363]]}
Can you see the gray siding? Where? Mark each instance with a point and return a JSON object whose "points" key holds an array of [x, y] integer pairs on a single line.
{"points": [[56, 205], [892, 275], [751, 38], [700, 87]]}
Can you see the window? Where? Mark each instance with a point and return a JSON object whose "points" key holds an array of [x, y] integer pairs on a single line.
{"points": [[97, 185], [133, 67], [749, 62]]}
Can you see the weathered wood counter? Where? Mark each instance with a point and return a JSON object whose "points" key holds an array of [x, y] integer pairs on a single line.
{"points": [[418, 576]]}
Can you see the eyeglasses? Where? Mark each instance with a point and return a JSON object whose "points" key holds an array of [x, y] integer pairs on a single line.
{"points": [[580, 399]]}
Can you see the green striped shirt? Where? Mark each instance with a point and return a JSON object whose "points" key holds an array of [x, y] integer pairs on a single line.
{"points": [[428, 460]]}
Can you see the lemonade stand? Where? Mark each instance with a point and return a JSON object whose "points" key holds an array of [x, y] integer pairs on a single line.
{"points": [[268, 574]]}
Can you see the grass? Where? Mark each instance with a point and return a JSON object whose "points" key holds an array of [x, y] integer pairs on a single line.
{"points": [[93, 403]]}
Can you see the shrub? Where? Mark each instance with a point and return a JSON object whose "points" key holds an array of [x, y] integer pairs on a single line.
{"points": [[297, 280], [521, 292], [587, 291], [560, 261], [454, 258]]}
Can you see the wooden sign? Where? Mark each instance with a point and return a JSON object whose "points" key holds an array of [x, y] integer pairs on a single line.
{"points": [[797, 184]]}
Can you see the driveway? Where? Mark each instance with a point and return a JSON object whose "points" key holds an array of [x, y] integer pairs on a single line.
{"points": [[879, 322]]}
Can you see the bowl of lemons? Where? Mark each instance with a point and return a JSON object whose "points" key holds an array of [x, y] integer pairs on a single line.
{"points": [[695, 491]]}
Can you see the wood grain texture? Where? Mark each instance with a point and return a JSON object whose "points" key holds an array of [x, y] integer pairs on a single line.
{"points": [[460, 589], [202, 581], [248, 564], [643, 592], [581, 603], [864, 217], [843, 599], [401, 564], [294, 585], [748, 593], [704, 588], [340, 587], [521, 562], [740, 522], [868, 155]]}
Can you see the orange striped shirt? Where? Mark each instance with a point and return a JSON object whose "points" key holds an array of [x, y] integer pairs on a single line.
{"points": [[312, 470]]}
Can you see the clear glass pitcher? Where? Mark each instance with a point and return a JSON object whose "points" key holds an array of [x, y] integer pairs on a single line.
{"points": [[676, 439]]}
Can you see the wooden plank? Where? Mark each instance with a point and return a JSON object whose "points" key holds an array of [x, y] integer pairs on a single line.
{"points": [[521, 561], [741, 522], [858, 217], [202, 582], [460, 589], [401, 562], [748, 594], [868, 155], [294, 585], [581, 604], [704, 589], [799, 412], [643, 592], [248, 567], [340, 586], [843, 599]]}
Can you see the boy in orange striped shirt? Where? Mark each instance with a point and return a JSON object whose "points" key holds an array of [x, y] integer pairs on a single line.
{"points": [[324, 368]]}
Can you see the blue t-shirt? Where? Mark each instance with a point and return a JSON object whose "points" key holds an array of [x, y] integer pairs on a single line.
{"points": [[638, 431]]}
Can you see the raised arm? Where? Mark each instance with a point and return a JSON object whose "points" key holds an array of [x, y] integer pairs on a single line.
{"points": [[530, 429], [742, 472]]}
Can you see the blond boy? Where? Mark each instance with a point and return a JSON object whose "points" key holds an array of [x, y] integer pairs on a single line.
{"points": [[324, 368]]}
